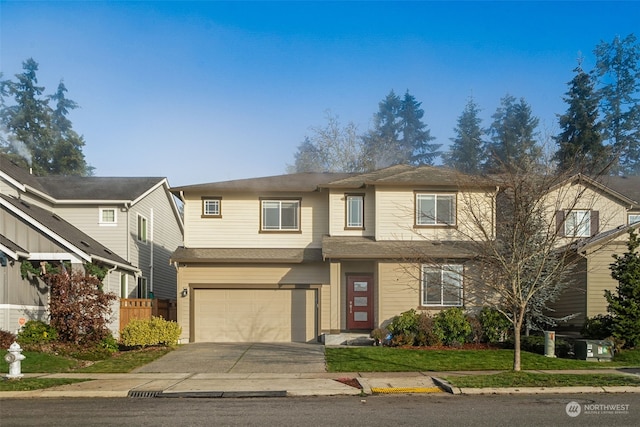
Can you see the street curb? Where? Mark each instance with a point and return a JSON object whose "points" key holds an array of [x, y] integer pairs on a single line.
{"points": [[445, 386]]}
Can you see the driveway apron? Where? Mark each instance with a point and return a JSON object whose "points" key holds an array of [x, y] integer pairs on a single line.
{"points": [[241, 358]]}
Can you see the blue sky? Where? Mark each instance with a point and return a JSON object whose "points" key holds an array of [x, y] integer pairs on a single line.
{"points": [[211, 91]]}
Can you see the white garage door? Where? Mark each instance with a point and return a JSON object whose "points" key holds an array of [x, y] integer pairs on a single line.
{"points": [[254, 315]]}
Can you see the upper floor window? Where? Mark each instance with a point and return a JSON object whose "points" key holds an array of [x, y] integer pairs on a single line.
{"points": [[107, 216], [355, 211], [435, 209], [442, 285], [280, 215], [211, 207], [633, 218], [142, 229], [577, 223]]}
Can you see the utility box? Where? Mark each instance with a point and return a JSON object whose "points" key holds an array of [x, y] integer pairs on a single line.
{"points": [[550, 343], [594, 350]]}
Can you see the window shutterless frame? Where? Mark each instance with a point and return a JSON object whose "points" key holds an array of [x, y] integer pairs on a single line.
{"points": [[108, 216], [280, 215], [211, 207], [442, 286], [354, 212], [435, 209]]}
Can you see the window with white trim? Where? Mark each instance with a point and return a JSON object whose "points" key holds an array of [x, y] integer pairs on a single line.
{"points": [[435, 209], [355, 210], [280, 215], [142, 229], [107, 216], [442, 285], [577, 223], [633, 218], [211, 207]]}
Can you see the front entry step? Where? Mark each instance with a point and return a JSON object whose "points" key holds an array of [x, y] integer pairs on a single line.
{"points": [[347, 338]]}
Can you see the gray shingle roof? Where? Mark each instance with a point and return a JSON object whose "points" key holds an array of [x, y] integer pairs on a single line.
{"points": [[297, 182], [97, 188], [67, 231], [367, 248], [628, 186], [245, 255]]}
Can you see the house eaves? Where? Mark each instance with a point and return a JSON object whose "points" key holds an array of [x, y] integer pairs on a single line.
{"points": [[605, 237], [11, 249], [246, 255], [63, 233], [361, 248], [629, 203]]}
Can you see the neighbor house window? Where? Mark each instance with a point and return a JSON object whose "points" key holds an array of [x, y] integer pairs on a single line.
{"points": [[211, 207], [435, 209], [280, 215], [142, 229], [107, 216], [143, 289], [355, 211], [633, 218], [577, 223], [442, 285]]}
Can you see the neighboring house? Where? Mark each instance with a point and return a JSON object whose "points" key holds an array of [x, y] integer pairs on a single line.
{"points": [[308, 257], [135, 219], [595, 218]]}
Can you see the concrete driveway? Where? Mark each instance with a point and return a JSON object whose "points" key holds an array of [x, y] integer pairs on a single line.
{"points": [[241, 358]]}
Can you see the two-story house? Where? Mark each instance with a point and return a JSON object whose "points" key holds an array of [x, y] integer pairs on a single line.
{"points": [[593, 218], [134, 220], [308, 257]]}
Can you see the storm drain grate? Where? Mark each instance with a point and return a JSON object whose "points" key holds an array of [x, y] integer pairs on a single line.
{"points": [[135, 393]]}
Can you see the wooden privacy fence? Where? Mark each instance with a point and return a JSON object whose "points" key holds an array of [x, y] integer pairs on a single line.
{"points": [[140, 308]]}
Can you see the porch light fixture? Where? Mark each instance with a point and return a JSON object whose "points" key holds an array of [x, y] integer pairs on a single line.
{"points": [[184, 292]]}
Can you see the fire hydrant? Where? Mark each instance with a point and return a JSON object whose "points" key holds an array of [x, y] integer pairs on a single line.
{"points": [[13, 358]]}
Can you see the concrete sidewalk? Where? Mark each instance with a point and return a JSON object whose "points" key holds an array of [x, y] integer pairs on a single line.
{"points": [[220, 385]]}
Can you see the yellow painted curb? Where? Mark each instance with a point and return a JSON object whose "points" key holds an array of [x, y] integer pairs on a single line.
{"points": [[389, 390]]}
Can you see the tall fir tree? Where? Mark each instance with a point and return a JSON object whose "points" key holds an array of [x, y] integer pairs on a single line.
{"points": [[382, 144], [513, 146], [580, 147], [39, 136], [618, 72], [399, 136], [466, 154], [416, 137]]}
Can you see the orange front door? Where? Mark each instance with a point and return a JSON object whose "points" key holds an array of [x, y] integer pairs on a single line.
{"points": [[360, 302]]}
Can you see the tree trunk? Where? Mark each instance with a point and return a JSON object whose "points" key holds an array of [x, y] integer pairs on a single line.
{"points": [[517, 328]]}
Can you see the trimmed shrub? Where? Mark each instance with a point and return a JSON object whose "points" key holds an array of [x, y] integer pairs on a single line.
{"points": [[6, 339], [451, 326], [155, 331], [426, 335], [404, 328], [36, 332], [495, 326], [598, 327]]}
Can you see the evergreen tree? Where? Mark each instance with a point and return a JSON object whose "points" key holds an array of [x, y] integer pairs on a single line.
{"points": [[37, 135], [399, 135], [383, 145], [580, 145], [66, 155], [618, 71], [415, 134], [513, 146], [28, 122], [624, 304], [466, 153]]}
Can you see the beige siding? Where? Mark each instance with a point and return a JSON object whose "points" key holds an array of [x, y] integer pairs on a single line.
{"points": [[573, 300], [611, 213], [239, 226], [599, 278], [399, 289], [395, 216], [337, 216]]}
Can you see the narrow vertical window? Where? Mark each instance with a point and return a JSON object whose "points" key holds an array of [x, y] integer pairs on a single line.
{"points": [[142, 229], [355, 211]]}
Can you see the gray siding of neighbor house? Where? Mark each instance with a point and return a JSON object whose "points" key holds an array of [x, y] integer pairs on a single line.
{"points": [[163, 237]]}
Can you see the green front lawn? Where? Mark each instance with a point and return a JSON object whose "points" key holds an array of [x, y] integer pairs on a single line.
{"points": [[26, 384], [389, 359], [528, 379]]}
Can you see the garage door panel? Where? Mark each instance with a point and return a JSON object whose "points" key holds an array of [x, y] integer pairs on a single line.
{"points": [[254, 315]]}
